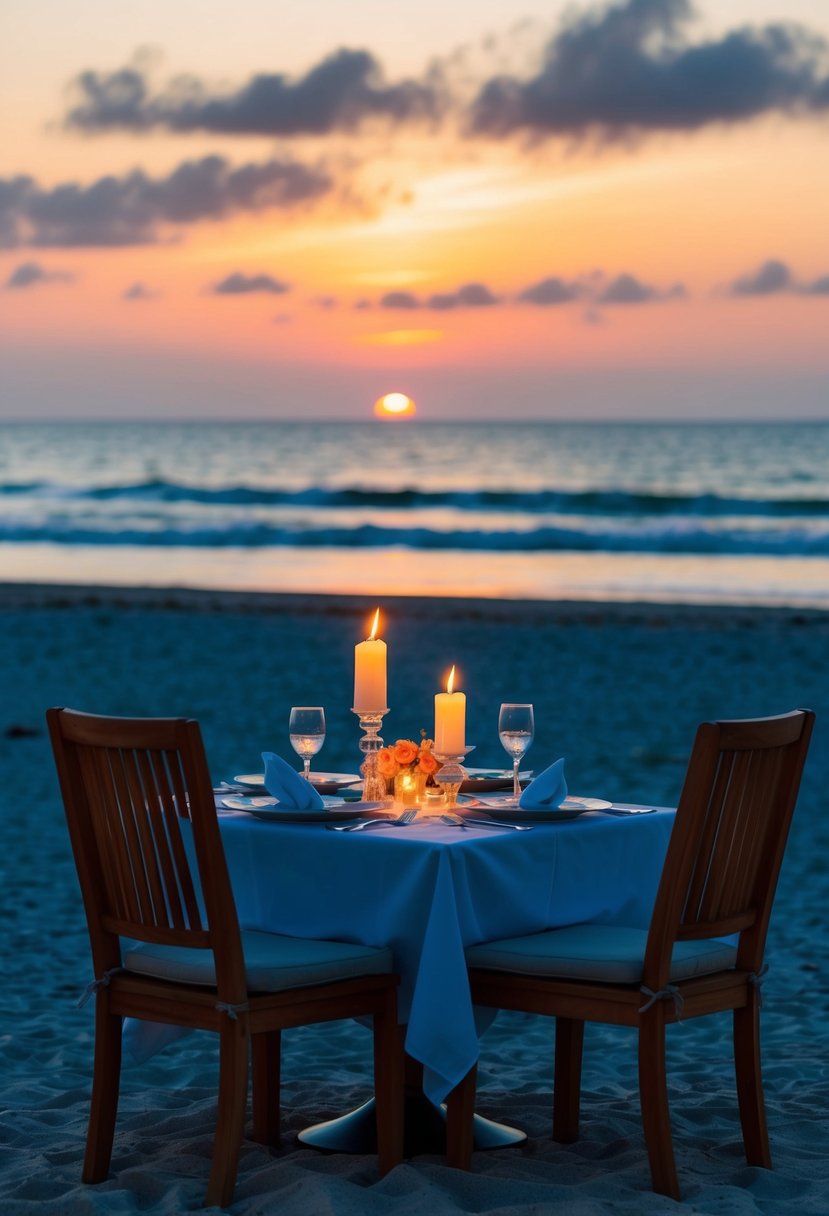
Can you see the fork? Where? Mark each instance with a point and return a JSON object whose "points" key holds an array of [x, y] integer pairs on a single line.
{"points": [[400, 822], [456, 821]]}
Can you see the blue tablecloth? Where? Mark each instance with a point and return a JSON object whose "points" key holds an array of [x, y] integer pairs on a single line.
{"points": [[428, 891]]}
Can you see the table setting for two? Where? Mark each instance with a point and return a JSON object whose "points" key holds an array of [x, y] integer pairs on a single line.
{"points": [[408, 783]]}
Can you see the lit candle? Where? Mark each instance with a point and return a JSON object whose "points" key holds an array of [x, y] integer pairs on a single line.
{"points": [[370, 672], [450, 720]]}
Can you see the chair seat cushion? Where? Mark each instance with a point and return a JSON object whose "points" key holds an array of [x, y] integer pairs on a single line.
{"points": [[272, 962], [609, 953]]}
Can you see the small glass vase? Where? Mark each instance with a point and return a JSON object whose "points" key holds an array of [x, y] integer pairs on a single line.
{"points": [[409, 785]]}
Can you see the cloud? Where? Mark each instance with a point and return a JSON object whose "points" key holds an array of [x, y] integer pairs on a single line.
{"points": [[238, 284], [774, 277], [631, 67], [340, 92], [595, 287], [549, 291], [627, 289], [818, 287], [471, 295], [27, 274], [138, 291], [769, 279], [135, 209], [399, 299]]}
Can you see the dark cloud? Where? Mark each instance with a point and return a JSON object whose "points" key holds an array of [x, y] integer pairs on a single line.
{"points": [[138, 291], [27, 274], [624, 289], [769, 279], [774, 278], [338, 93], [399, 299], [627, 289], [238, 284], [471, 295], [632, 67], [549, 291], [134, 209]]}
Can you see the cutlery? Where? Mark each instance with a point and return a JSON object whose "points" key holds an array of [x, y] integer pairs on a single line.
{"points": [[402, 820], [456, 821]]}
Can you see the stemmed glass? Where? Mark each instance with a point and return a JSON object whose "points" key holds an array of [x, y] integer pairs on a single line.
{"points": [[306, 729], [516, 730]]}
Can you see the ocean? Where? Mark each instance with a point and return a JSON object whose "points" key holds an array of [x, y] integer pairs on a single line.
{"points": [[667, 512]]}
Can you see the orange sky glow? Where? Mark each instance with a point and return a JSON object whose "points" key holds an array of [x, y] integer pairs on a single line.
{"points": [[406, 245]]}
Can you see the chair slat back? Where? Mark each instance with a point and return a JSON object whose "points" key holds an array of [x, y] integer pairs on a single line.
{"points": [[727, 844], [127, 786]]}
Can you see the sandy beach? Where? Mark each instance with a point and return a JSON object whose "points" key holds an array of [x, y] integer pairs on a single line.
{"points": [[618, 690]]}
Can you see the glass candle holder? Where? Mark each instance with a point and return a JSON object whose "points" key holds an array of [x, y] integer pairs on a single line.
{"points": [[451, 774], [374, 786]]}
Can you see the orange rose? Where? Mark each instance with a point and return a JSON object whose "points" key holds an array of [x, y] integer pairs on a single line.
{"points": [[427, 745], [387, 766], [405, 752], [427, 763]]}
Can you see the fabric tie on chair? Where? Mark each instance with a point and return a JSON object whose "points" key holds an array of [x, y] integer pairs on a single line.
{"points": [[289, 789], [548, 790]]}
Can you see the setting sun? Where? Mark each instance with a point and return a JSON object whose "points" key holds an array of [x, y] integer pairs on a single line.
{"points": [[394, 405]]}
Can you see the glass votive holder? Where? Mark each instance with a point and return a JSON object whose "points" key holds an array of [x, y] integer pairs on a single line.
{"points": [[408, 787]]}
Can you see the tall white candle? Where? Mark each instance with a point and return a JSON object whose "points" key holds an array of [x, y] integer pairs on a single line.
{"points": [[370, 672], [450, 720]]}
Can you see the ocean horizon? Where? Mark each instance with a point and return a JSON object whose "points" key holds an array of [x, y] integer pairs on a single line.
{"points": [[696, 512]]}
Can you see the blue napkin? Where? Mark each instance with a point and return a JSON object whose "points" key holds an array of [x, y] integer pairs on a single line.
{"points": [[291, 791], [548, 790]]}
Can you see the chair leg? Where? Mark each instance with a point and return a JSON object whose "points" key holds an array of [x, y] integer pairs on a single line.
{"points": [[567, 1086], [106, 1077], [460, 1109], [750, 1081], [233, 1092], [653, 1095], [388, 1083], [266, 1055]]}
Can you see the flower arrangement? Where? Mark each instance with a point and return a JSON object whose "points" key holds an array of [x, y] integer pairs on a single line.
{"points": [[406, 754]]}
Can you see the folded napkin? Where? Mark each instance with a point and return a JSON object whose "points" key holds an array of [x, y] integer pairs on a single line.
{"points": [[548, 790], [291, 791]]}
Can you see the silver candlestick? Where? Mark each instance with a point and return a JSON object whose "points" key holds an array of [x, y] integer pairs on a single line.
{"points": [[374, 786]]}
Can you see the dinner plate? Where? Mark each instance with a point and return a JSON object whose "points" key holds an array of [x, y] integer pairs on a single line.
{"points": [[482, 780], [326, 783], [268, 808], [570, 808]]}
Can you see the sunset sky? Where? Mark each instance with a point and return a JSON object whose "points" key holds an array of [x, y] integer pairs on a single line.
{"points": [[504, 209]]}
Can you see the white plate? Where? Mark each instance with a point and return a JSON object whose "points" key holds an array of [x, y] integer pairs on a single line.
{"points": [[570, 808], [326, 782], [269, 808]]}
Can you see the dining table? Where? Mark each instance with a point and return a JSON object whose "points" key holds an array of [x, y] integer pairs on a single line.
{"points": [[430, 889]]}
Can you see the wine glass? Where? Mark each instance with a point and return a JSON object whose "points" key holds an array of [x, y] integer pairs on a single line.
{"points": [[306, 730], [516, 730]]}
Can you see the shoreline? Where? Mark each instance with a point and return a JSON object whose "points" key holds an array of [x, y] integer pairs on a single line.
{"points": [[16, 597]]}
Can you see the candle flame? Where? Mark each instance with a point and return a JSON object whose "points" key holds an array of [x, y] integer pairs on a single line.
{"points": [[374, 626], [450, 683]]}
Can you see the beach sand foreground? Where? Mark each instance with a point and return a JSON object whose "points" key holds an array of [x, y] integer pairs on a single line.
{"points": [[618, 690]]}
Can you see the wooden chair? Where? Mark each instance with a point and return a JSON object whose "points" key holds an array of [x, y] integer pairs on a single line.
{"points": [[718, 880], [133, 789]]}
